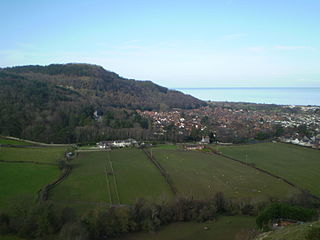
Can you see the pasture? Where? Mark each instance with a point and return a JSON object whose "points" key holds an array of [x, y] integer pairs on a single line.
{"points": [[20, 180], [7, 141], [35, 154], [225, 228], [87, 181], [111, 177], [201, 175], [297, 164], [137, 177], [167, 146]]}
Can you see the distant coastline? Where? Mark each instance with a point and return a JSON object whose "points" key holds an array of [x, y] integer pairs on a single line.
{"points": [[264, 95]]}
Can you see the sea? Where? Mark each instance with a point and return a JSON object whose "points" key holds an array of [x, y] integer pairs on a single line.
{"points": [[281, 96]]}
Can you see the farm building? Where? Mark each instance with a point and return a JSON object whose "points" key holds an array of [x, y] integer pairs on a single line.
{"points": [[194, 147]]}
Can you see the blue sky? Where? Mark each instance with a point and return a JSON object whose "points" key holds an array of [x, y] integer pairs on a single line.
{"points": [[244, 43]]}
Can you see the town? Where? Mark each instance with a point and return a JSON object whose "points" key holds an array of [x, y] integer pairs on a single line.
{"points": [[240, 123]]}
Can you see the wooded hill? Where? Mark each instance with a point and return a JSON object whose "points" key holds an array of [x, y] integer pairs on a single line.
{"points": [[79, 102]]}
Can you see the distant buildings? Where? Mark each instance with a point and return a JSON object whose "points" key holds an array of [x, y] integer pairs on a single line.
{"points": [[194, 147], [117, 144], [205, 140]]}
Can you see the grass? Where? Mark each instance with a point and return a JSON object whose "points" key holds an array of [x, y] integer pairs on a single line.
{"points": [[87, 181], [167, 146], [293, 232], [297, 164], [21, 180], [112, 182], [38, 154], [200, 175], [225, 228], [137, 177], [6, 141], [88, 147], [100, 177]]}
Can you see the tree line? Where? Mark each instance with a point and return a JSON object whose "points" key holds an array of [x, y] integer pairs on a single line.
{"points": [[46, 220]]}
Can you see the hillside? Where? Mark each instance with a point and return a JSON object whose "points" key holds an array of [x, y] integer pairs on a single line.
{"points": [[62, 103], [307, 231]]}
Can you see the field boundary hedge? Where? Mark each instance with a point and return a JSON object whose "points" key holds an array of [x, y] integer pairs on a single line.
{"points": [[162, 171], [43, 193], [32, 162]]}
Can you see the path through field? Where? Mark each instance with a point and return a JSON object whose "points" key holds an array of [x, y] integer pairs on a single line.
{"points": [[112, 181]]}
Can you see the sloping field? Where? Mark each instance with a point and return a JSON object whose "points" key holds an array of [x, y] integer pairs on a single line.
{"points": [[19, 180], [225, 228], [297, 164], [33, 154], [113, 177], [137, 177], [6, 141], [200, 175], [87, 181]]}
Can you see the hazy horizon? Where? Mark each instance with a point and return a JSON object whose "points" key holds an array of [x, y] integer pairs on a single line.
{"points": [[172, 43]]}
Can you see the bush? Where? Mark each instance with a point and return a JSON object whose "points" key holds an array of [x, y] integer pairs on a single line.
{"points": [[73, 231], [313, 233], [4, 223], [283, 210]]}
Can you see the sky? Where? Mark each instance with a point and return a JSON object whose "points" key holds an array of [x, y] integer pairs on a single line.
{"points": [[177, 44]]}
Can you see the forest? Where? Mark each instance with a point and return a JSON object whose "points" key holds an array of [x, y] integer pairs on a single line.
{"points": [[68, 103]]}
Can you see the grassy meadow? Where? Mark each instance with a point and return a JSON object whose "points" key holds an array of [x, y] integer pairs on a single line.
{"points": [[6, 141], [297, 164], [20, 180], [200, 175], [37, 154], [87, 181], [113, 177], [225, 228], [137, 177]]}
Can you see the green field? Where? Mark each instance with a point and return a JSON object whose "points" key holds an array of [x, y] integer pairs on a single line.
{"points": [[200, 175], [20, 180], [137, 177], [87, 181], [37, 154], [6, 141], [113, 177], [225, 228], [297, 164], [167, 146]]}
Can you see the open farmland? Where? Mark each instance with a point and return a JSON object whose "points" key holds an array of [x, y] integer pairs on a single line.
{"points": [[200, 175], [32, 154], [226, 228], [7, 141], [23, 180], [87, 181], [297, 164], [137, 177], [113, 177]]}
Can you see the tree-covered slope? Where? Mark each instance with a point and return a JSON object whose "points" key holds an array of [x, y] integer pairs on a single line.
{"points": [[79, 102], [107, 88]]}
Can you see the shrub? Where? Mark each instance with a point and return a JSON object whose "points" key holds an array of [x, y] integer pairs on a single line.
{"points": [[313, 233], [283, 210], [4, 223]]}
